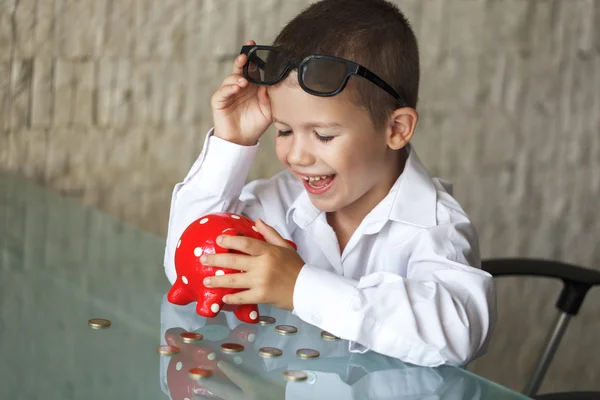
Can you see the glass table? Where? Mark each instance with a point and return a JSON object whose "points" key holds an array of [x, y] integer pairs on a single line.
{"points": [[62, 264]]}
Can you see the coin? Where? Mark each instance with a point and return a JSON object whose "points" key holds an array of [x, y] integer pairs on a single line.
{"points": [[266, 320], [198, 373], [292, 375], [99, 323], [307, 353], [286, 329], [190, 337], [270, 352], [328, 336], [232, 347], [167, 350]]}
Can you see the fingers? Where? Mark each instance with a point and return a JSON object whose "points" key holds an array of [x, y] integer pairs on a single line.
{"points": [[224, 96], [232, 281], [235, 80], [238, 63], [264, 102], [240, 262], [271, 235], [244, 244], [251, 296]]}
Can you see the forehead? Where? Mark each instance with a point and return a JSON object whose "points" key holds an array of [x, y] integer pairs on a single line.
{"points": [[289, 102]]}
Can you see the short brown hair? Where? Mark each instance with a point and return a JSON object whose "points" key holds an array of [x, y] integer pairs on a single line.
{"points": [[373, 33]]}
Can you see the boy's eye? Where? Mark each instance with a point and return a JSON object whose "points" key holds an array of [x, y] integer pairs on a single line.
{"points": [[283, 133], [323, 139]]}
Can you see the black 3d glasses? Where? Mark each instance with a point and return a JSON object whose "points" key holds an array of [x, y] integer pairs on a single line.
{"points": [[319, 75]]}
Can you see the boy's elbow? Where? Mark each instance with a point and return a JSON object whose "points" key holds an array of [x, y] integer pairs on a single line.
{"points": [[470, 341]]}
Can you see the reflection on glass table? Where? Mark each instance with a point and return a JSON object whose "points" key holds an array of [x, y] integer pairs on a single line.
{"points": [[335, 374], [62, 263]]}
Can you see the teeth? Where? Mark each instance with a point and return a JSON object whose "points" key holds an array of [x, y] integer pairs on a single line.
{"points": [[314, 178]]}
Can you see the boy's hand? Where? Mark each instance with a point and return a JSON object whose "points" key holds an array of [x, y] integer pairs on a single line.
{"points": [[271, 267], [241, 110]]}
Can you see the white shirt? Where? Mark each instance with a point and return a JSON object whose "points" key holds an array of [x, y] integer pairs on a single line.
{"points": [[408, 283]]}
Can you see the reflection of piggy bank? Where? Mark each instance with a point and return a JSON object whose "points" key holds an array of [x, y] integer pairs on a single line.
{"points": [[203, 354], [200, 238]]}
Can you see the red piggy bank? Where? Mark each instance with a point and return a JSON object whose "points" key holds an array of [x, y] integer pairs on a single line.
{"points": [[199, 238]]}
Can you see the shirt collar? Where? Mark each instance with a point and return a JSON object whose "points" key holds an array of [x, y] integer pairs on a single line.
{"points": [[411, 200]]}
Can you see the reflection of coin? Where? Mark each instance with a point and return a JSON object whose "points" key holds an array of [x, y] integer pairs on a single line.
{"points": [[270, 352], [286, 329], [266, 320], [232, 347], [190, 337], [292, 375], [99, 323], [307, 353], [198, 373], [328, 336], [168, 350]]}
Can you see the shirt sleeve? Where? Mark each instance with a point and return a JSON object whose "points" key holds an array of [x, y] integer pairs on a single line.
{"points": [[213, 184], [442, 312]]}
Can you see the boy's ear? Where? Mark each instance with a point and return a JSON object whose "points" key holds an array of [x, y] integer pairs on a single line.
{"points": [[401, 128]]}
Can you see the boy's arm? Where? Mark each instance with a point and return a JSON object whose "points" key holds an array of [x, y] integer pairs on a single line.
{"points": [[443, 312], [213, 184]]}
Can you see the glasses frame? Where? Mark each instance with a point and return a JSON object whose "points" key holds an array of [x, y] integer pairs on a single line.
{"points": [[352, 68]]}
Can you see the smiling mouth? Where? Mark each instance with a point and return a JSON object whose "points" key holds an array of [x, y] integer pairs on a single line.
{"points": [[318, 182]]}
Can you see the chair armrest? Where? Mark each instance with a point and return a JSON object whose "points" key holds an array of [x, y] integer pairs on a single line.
{"points": [[577, 280], [541, 268]]}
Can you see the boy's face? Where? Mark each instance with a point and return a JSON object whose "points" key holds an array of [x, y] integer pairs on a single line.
{"points": [[358, 165]]}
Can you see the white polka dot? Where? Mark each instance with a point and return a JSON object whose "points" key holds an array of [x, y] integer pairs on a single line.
{"points": [[254, 228], [237, 360], [184, 279], [198, 251], [212, 356], [204, 220], [215, 307], [187, 398], [251, 337], [219, 273], [178, 366], [179, 243], [253, 315], [228, 229], [235, 216]]}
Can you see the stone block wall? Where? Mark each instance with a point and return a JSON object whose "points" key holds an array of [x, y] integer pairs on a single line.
{"points": [[107, 101]]}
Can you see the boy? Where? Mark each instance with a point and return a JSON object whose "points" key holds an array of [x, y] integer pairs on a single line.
{"points": [[386, 259]]}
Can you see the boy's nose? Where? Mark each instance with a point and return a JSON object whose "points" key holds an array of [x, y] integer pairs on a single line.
{"points": [[299, 154]]}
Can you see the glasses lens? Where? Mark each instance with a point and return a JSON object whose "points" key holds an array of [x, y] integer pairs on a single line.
{"points": [[266, 66], [323, 75]]}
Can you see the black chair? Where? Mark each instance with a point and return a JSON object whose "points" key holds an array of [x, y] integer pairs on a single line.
{"points": [[576, 283], [569, 396]]}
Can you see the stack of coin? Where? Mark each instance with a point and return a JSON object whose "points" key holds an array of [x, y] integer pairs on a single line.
{"points": [[286, 329], [307, 353], [269, 352], [190, 337], [199, 373], [266, 320], [293, 375], [328, 336], [232, 348], [99, 323], [168, 350]]}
